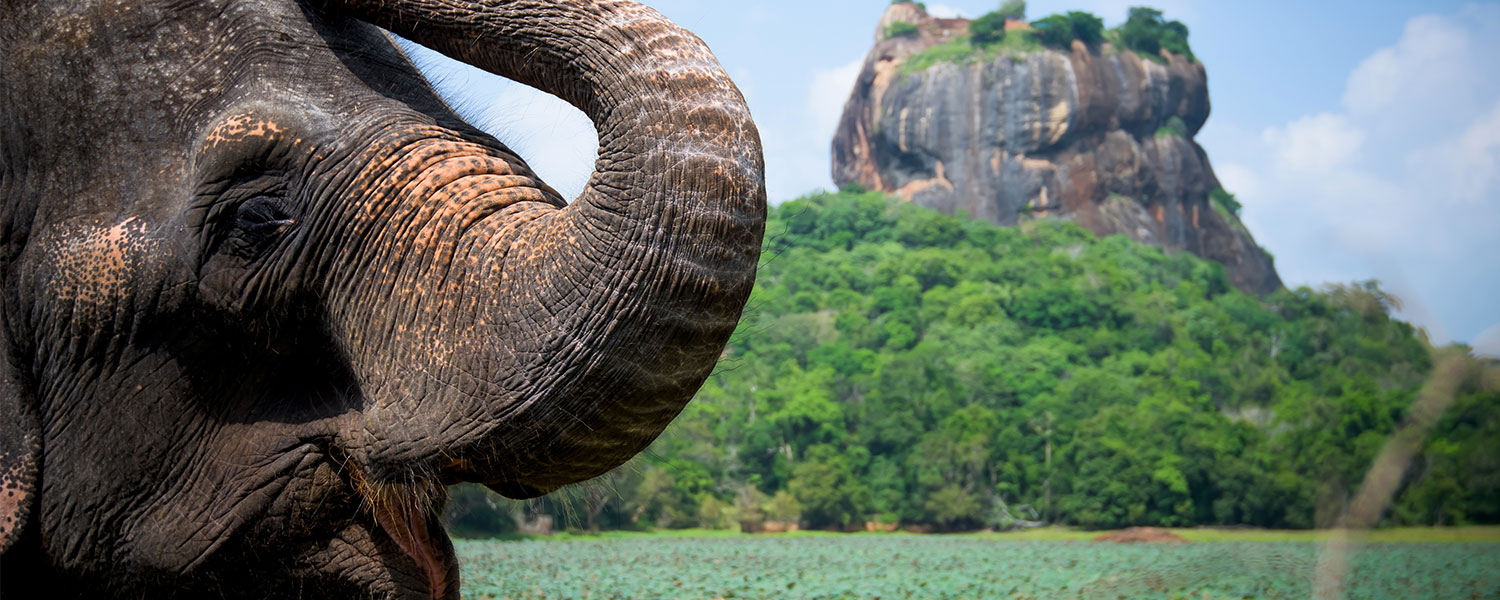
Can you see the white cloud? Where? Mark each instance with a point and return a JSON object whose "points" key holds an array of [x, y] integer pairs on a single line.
{"points": [[1463, 166], [1435, 78], [1488, 342], [1401, 185], [1314, 143], [826, 95], [943, 11], [1238, 179], [1433, 55], [796, 137]]}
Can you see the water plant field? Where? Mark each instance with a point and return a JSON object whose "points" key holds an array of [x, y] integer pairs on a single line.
{"points": [[900, 566]]}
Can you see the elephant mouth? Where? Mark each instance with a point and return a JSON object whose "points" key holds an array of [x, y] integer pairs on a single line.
{"points": [[405, 514], [412, 530]]}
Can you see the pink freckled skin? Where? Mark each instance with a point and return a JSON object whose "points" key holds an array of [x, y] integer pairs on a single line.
{"points": [[11, 500]]}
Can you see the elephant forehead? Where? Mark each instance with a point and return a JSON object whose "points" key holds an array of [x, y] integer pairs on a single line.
{"points": [[93, 265], [244, 127]]}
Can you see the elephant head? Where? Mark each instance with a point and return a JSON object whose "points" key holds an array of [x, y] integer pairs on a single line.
{"points": [[263, 294]]}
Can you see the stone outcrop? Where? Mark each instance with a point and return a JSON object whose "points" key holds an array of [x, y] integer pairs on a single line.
{"points": [[1096, 135]]}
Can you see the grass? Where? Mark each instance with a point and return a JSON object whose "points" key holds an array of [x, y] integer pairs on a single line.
{"points": [[960, 50], [1468, 534], [901, 29], [691, 533], [1475, 534]]}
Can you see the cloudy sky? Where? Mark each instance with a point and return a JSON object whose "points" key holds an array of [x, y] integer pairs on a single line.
{"points": [[1362, 136]]}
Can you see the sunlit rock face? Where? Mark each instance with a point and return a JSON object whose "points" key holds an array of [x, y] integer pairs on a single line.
{"points": [[1100, 136]]}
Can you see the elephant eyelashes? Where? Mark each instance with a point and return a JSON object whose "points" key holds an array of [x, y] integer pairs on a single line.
{"points": [[258, 223], [261, 212]]}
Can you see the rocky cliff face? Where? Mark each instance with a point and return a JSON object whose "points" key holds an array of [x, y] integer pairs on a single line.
{"points": [[1086, 135]]}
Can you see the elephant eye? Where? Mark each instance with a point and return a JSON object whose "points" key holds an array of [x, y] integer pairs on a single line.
{"points": [[262, 212], [258, 223]]}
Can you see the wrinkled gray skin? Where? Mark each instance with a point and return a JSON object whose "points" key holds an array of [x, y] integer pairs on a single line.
{"points": [[263, 295]]}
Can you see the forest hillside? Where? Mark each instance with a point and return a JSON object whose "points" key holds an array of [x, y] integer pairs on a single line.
{"points": [[901, 367]]}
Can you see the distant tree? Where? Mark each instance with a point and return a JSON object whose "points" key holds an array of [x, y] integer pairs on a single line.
{"points": [[1226, 200], [1141, 31], [908, 366], [954, 508], [1059, 30], [1013, 9], [988, 29], [1085, 26], [750, 507], [1174, 38], [714, 513], [472, 511], [1147, 32], [784, 507], [1053, 31], [660, 501], [825, 486]]}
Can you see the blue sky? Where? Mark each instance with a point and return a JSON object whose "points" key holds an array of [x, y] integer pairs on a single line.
{"points": [[1362, 137]]}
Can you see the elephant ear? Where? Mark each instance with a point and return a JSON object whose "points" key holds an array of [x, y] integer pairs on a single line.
{"points": [[20, 450]]}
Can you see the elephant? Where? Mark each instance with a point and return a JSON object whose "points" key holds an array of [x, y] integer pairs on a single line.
{"points": [[264, 295]]}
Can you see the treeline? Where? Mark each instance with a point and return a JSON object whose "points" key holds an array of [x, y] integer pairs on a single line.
{"points": [[1146, 32], [899, 366]]}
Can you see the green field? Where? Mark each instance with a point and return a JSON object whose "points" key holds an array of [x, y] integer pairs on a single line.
{"points": [[975, 566]]}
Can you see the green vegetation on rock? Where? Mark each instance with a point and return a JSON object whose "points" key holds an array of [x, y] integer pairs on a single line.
{"points": [[1225, 201], [899, 365], [900, 29], [961, 50], [1147, 33], [1173, 127], [1059, 31], [987, 30], [1012, 9]]}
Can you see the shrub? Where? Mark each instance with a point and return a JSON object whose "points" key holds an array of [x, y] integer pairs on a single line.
{"points": [[1053, 31], [919, 4], [1013, 9], [900, 29], [1059, 30], [1147, 33], [1173, 126], [988, 29], [1226, 200], [1085, 26]]}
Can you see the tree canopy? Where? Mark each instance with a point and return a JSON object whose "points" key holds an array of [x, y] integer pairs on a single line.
{"points": [[897, 365], [1147, 32]]}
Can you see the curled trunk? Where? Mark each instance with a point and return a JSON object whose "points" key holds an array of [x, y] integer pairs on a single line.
{"points": [[525, 345]]}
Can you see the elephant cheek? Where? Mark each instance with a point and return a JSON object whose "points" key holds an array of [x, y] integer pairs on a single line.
{"points": [[95, 268]]}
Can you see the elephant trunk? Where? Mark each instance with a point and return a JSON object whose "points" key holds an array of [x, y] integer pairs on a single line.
{"points": [[526, 345]]}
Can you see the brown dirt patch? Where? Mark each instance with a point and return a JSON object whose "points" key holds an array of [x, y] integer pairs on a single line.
{"points": [[1132, 535]]}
